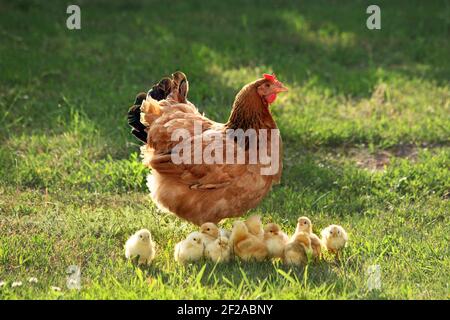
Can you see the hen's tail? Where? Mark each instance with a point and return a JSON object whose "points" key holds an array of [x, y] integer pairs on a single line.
{"points": [[138, 129], [158, 92], [177, 85]]}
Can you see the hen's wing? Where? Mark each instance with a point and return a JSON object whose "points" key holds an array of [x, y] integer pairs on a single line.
{"points": [[198, 175]]}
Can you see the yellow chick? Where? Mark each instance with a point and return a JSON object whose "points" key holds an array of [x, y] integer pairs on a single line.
{"points": [[218, 250], [210, 232], [296, 251], [275, 240], [304, 225], [140, 244], [246, 245], [225, 233], [190, 249], [255, 226], [334, 238]]}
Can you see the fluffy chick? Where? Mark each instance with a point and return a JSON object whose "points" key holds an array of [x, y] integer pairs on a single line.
{"points": [[275, 240], [334, 238], [140, 244], [225, 233], [218, 250], [210, 232], [255, 226], [246, 245], [304, 224], [190, 249], [296, 251]]}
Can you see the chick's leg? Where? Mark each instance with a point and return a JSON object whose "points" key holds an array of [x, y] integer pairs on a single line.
{"points": [[142, 260]]}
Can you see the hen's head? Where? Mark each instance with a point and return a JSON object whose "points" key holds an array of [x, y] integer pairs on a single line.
{"points": [[250, 107], [269, 87]]}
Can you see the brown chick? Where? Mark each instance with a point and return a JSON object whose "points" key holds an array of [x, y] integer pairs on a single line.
{"points": [[210, 232], [304, 225], [334, 238], [246, 245], [296, 251], [255, 226], [275, 240]]}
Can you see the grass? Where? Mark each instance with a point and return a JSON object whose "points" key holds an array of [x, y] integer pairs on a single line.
{"points": [[72, 188]]}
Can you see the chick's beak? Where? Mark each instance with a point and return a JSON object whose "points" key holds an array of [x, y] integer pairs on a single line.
{"points": [[279, 87]]}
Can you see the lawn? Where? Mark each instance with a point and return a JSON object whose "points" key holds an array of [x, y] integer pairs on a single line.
{"points": [[365, 125]]}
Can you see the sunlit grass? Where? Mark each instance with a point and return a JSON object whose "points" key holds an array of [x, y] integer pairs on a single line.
{"points": [[72, 188]]}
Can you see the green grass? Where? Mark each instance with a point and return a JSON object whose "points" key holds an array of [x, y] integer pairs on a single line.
{"points": [[72, 188]]}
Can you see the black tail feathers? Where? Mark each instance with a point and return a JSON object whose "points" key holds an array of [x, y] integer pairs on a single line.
{"points": [[134, 118], [159, 91]]}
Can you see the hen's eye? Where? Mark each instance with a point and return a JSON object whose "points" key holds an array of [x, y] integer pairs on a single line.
{"points": [[207, 229], [267, 85]]}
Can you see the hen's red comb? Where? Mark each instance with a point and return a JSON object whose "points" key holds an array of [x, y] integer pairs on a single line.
{"points": [[270, 77]]}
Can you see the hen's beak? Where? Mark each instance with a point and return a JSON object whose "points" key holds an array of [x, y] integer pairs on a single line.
{"points": [[279, 87]]}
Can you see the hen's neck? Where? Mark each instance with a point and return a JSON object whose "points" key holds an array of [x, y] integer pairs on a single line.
{"points": [[249, 111]]}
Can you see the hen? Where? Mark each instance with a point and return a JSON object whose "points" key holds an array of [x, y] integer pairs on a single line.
{"points": [[202, 191]]}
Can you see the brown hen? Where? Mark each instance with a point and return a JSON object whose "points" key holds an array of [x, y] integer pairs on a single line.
{"points": [[209, 192]]}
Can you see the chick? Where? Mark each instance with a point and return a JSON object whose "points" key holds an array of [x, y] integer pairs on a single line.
{"points": [[255, 226], [225, 233], [275, 240], [218, 250], [305, 225], [246, 245], [210, 232], [334, 238], [140, 244], [189, 249], [296, 251]]}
